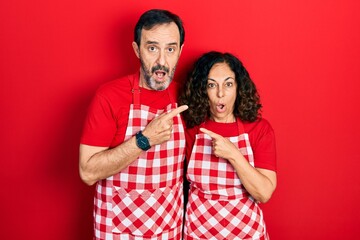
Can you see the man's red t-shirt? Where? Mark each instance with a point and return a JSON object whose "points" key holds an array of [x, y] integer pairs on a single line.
{"points": [[107, 118]]}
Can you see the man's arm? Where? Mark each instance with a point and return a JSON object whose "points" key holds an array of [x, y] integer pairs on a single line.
{"points": [[96, 163]]}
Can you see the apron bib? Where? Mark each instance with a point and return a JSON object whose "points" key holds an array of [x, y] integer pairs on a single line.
{"points": [[145, 200], [219, 206]]}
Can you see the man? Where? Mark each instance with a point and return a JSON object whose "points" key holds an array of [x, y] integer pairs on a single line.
{"points": [[133, 140]]}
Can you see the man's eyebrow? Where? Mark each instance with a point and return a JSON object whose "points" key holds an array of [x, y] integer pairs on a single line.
{"points": [[152, 42], [169, 44], [173, 43]]}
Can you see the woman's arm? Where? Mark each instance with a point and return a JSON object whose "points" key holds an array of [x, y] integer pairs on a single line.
{"points": [[260, 183]]}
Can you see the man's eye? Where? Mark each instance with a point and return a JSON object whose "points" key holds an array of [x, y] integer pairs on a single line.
{"points": [[171, 49], [152, 49]]}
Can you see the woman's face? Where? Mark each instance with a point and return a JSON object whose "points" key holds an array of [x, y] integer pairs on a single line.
{"points": [[221, 89]]}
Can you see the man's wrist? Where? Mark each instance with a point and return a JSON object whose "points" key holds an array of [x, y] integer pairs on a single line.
{"points": [[142, 141]]}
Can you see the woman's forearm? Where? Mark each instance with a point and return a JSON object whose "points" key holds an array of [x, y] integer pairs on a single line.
{"points": [[260, 183]]}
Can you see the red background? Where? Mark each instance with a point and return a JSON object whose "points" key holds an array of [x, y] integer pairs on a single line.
{"points": [[303, 55]]}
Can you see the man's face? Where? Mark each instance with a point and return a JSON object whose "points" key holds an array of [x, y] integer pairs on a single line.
{"points": [[159, 52]]}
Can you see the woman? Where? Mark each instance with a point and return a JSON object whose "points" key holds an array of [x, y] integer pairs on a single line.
{"points": [[230, 152]]}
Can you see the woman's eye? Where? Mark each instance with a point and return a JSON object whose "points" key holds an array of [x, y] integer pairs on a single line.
{"points": [[229, 84], [211, 85]]}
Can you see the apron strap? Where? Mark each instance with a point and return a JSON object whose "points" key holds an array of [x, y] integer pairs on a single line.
{"points": [[171, 97], [240, 126], [134, 82]]}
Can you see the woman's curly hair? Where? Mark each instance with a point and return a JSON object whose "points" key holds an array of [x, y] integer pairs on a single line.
{"points": [[247, 104]]}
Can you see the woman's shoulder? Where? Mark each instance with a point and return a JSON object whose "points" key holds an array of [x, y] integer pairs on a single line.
{"points": [[259, 131], [259, 125]]}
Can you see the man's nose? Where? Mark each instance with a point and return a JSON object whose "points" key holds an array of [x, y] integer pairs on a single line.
{"points": [[161, 58]]}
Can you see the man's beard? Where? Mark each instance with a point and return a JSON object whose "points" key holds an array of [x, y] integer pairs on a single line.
{"points": [[151, 82]]}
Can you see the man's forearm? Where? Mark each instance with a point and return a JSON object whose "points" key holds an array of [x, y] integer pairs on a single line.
{"points": [[98, 163]]}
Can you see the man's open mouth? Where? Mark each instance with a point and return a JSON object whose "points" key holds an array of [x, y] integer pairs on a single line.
{"points": [[160, 74]]}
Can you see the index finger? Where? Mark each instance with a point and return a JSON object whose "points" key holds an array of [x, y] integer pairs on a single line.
{"points": [[176, 111], [210, 133]]}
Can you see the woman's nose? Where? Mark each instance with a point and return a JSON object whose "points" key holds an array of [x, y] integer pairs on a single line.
{"points": [[220, 92]]}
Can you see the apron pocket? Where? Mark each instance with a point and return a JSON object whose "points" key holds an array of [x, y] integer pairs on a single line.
{"points": [[147, 212], [240, 215]]}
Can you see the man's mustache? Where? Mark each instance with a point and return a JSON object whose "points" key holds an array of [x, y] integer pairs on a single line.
{"points": [[159, 67]]}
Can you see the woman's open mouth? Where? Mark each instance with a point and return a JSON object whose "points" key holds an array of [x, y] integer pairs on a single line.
{"points": [[220, 107]]}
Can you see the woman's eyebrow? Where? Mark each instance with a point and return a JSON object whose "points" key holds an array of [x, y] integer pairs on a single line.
{"points": [[224, 79]]}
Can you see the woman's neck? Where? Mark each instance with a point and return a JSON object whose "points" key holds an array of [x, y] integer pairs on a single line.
{"points": [[227, 119]]}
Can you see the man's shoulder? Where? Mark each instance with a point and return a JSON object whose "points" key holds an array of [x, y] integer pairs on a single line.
{"points": [[175, 88], [176, 85], [121, 84], [117, 90]]}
